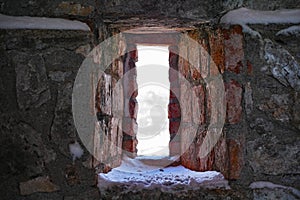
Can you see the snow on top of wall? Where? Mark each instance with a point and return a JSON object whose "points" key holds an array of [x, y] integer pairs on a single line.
{"points": [[270, 185], [249, 16], [292, 30], [135, 174], [25, 22], [245, 16]]}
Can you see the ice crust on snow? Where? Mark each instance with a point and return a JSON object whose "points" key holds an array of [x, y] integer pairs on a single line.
{"points": [[136, 175], [25, 22], [245, 16]]}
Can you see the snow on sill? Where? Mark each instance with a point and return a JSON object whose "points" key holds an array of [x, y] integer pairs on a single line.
{"points": [[245, 16], [135, 175], [25, 22]]}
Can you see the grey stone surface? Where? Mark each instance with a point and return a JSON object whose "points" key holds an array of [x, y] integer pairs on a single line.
{"points": [[39, 184], [274, 154], [274, 194], [282, 65], [31, 80]]}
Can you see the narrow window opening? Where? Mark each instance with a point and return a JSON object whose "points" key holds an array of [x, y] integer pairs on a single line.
{"points": [[153, 98]]}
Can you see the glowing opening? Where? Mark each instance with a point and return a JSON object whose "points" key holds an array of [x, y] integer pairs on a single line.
{"points": [[153, 98]]}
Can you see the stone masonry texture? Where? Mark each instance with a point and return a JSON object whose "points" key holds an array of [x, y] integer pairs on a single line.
{"points": [[260, 140]]}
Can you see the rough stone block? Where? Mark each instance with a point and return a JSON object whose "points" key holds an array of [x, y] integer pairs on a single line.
{"points": [[248, 99], [39, 184], [31, 80], [70, 8]]}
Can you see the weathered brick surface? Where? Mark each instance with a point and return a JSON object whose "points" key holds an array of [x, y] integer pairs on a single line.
{"points": [[103, 94], [216, 52], [117, 98], [175, 148], [236, 162], [234, 100], [129, 147], [233, 48], [174, 126], [198, 104], [186, 101], [221, 156], [204, 58], [174, 110]]}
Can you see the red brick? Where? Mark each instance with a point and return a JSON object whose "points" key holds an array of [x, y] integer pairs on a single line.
{"points": [[174, 127], [174, 110], [133, 55], [233, 48], [235, 152], [195, 74], [217, 52], [129, 126], [186, 102], [130, 146], [221, 156], [173, 60], [185, 69], [174, 92], [175, 148], [173, 75], [205, 163], [198, 102], [204, 59], [133, 108], [130, 86], [233, 100], [188, 158]]}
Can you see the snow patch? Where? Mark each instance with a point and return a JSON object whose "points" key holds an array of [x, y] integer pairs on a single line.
{"points": [[270, 185], [135, 175], [292, 30], [245, 16], [75, 150], [25, 22]]}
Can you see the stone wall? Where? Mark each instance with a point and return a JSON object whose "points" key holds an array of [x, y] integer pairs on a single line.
{"points": [[260, 139]]}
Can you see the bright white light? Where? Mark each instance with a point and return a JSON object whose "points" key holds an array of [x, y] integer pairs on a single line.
{"points": [[153, 98]]}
